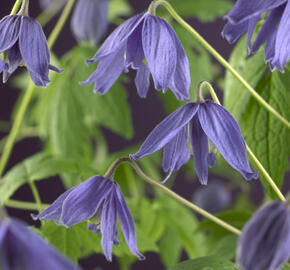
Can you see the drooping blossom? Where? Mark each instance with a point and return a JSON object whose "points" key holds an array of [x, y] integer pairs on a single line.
{"points": [[21, 248], [22, 39], [149, 45], [265, 240], [198, 125], [90, 20], [274, 33], [96, 198]]}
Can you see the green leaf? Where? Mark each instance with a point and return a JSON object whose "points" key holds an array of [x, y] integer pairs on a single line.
{"points": [[37, 167], [251, 69], [205, 11], [205, 263], [268, 138], [226, 247], [118, 8], [68, 113]]}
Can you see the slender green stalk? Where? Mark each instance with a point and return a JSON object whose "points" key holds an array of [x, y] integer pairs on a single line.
{"points": [[221, 60], [250, 152], [16, 7], [171, 193], [60, 24], [35, 195], [23, 205]]}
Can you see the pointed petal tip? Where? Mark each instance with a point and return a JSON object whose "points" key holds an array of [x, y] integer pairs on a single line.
{"points": [[251, 175]]}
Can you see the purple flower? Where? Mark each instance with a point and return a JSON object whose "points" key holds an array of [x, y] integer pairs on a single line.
{"points": [[96, 198], [22, 38], [20, 248], [274, 33], [198, 124], [212, 198], [265, 240], [143, 37], [90, 20]]}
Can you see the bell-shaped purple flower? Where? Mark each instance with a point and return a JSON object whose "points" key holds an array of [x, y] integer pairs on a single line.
{"points": [[96, 198], [20, 248], [90, 20], [274, 33], [143, 37], [22, 39], [198, 124], [265, 240]]}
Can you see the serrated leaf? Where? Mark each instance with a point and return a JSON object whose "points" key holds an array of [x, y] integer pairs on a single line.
{"points": [[251, 69], [268, 138], [37, 167], [205, 11], [205, 263]]}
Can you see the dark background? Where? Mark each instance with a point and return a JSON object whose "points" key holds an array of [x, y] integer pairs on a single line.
{"points": [[146, 114]]}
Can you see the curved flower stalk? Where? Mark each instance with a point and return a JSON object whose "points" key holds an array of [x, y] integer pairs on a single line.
{"points": [[198, 124], [98, 198], [265, 240], [90, 20], [274, 33], [20, 248], [22, 39], [148, 45]]}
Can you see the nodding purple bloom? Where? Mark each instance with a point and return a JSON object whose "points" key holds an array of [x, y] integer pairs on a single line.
{"points": [[96, 198], [143, 37], [245, 16], [90, 20], [198, 124], [265, 240], [213, 198], [20, 248], [22, 38]]}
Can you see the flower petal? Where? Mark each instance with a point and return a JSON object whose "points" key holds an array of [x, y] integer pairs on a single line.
{"points": [[232, 32], [160, 50], [118, 38], [126, 222], [108, 225], [164, 132], [245, 9], [84, 200], [175, 154], [53, 212], [3, 65], [34, 51], [108, 71], [180, 82], [251, 29], [282, 47], [134, 51], [9, 31], [222, 129], [142, 81], [199, 142], [90, 20], [211, 160]]}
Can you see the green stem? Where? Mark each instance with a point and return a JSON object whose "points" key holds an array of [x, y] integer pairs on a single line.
{"points": [[23, 205], [16, 7], [35, 195], [171, 193], [222, 61], [60, 24], [250, 152]]}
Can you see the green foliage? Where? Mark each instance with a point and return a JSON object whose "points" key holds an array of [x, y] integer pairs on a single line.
{"points": [[268, 138], [118, 8], [37, 167], [205, 263], [205, 11], [68, 113], [251, 69]]}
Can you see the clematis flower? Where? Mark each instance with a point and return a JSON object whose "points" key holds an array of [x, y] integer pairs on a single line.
{"points": [[20, 248], [96, 198], [265, 240], [147, 44], [245, 16], [90, 20], [22, 38], [198, 124]]}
